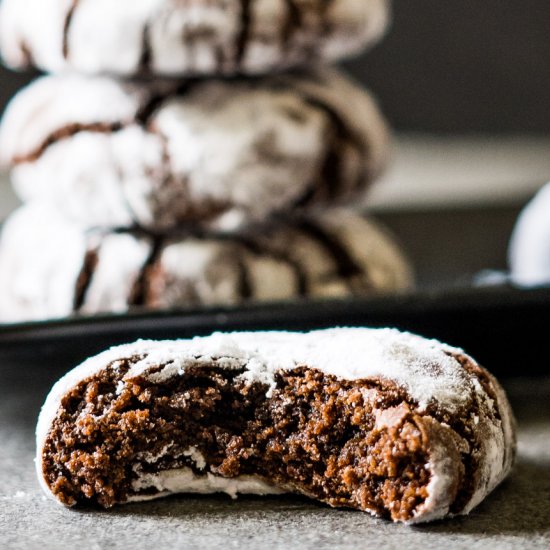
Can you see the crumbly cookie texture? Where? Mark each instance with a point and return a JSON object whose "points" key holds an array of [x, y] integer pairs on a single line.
{"points": [[373, 419], [529, 254], [191, 38], [50, 268], [218, 154]]}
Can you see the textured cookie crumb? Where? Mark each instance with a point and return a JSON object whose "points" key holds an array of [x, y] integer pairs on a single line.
{"points": [[314, 431]]}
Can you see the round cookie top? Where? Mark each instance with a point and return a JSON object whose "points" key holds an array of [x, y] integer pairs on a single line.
{"points": [[170, 37]]}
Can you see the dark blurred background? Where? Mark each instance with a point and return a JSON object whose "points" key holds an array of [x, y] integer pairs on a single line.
{"points": [[464, 65], [453, 66]]}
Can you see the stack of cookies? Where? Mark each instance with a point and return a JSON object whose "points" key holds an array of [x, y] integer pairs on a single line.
{"points": [[190, 153]]}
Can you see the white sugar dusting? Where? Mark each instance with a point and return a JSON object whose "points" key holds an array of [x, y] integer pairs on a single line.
{"points": [[184, 480], [196, 456], [423, 367], [153, 458]]}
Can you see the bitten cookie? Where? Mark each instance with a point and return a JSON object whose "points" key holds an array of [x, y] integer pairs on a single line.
{"points": [[217, 154], [195, 37], [529, 254], [50, 268], [377, 420]]}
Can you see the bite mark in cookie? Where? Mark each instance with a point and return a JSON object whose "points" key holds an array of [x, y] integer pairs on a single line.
{"points": [[410, 438]]}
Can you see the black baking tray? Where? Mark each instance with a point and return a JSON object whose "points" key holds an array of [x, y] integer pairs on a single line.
{"points": [[505, 328]]}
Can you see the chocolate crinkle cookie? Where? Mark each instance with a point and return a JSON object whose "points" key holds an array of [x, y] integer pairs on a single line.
{"points": [[50, 268], [371, 419], [185, 38], [216, 154]]}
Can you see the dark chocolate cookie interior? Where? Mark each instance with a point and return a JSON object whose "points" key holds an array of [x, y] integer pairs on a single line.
{"points": [[313, 433]]}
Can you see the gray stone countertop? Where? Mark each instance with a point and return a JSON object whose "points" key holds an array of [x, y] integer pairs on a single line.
{"points": [[516, 515]]}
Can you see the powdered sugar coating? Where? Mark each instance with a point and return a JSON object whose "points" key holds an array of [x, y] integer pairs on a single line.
{"points": [[120, 261], [52, 268], [497, 444], [196, 37], [529, 254], [427, 369], [219, 154], [42, 258], [183, 480], [48, 289]]}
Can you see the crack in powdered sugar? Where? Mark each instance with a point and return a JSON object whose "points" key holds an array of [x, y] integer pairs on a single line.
{"points": [[67, 27], [244, 34]]}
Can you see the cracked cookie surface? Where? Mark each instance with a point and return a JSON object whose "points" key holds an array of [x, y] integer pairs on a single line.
{"points": [[50, 268], [215, 154], [190, 38]]}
